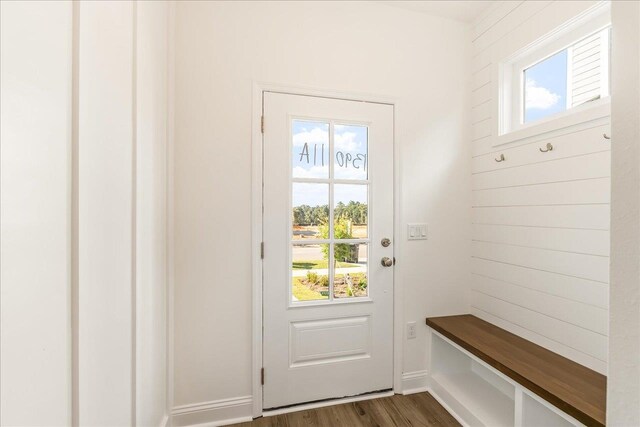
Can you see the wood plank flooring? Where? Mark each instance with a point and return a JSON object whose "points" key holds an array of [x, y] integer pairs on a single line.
{"points": [[416, 410]]}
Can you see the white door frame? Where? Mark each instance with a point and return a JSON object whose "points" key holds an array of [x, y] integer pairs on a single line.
{"points": [[256, 227]]}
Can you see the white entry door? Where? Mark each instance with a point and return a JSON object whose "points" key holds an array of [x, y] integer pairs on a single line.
{"points": [[328, 255]]}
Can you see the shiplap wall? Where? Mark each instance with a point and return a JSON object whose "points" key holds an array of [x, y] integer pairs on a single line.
{"points": [[540, 242]]}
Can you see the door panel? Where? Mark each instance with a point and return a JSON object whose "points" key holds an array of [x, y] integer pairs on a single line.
{"points": [[328, 203], [329, 340]]}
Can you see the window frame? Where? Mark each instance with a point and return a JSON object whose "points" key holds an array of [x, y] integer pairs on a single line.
{"points": [[511, 84]]}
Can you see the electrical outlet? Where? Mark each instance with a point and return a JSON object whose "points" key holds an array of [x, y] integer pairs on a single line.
{"points": [[411, 330]]}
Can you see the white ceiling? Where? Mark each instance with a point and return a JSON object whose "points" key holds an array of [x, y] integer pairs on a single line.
{"points": [[460, 10]]}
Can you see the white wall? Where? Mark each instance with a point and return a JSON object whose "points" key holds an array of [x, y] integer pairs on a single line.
{"points": [[122, 187], [151, 176], [540, 257], [623, 402], [222, 48], [106, 221], [35, 374], [84, 127]]}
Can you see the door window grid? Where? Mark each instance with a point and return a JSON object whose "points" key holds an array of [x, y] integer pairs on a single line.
{"points": [[348, 279]]}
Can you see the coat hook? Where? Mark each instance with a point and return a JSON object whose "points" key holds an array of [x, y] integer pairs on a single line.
{"points": [[605, 136], [549, 148], [500, 159]]}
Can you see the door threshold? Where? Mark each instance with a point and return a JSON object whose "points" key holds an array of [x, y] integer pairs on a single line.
{"points": [[326, 402]]}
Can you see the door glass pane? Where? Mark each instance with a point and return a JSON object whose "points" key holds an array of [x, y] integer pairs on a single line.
{"points": [[351, 151], [545, 89], [310, 152], [319, 267], [350, 211], [309, 272], [310, 210], [350, 270]]}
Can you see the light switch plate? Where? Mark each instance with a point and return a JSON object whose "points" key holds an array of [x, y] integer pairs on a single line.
{"points": [[417, 231]]}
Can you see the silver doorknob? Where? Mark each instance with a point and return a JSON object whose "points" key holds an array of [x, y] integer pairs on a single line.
{"points": [[386, 262]]}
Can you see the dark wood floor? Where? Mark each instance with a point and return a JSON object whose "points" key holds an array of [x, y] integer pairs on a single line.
{"points": [[414, 410]]}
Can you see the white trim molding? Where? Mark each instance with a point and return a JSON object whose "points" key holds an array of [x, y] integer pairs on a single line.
{"points": [[256, 258], [415, 382], [569, 119], [214, 413]]}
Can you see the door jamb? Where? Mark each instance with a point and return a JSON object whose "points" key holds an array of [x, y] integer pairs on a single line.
{"points": [[256, 227]]}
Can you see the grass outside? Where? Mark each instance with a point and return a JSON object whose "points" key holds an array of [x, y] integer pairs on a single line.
{"points": [[303, 293], [319, 264]]}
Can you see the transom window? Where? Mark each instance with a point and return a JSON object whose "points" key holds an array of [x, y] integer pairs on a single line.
{"points": [[562, 73], [329, 210], [568, 78]]}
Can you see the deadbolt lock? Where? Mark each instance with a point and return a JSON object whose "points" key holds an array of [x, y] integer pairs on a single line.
{"points": [[385, 242]]}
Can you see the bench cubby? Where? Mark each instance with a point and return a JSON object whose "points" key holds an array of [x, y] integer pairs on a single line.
{"points": [[486, 376]]}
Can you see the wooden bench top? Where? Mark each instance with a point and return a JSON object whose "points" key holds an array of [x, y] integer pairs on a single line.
{"points": [[571, 387]]}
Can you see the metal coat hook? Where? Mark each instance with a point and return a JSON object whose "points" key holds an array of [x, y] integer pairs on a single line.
{"points": [[549, 148], [605, 136], [500, 159]]}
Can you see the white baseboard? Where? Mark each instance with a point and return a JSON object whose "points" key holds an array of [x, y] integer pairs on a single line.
{"points": [[238, 410], [215, 413], [414, 382], [165, 421]]}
